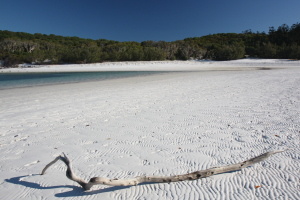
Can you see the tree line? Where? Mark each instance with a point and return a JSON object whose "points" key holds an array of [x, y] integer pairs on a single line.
{"points": [[20, 47]]}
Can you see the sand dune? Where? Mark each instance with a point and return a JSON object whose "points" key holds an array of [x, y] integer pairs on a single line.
{"points": [[164, 124]]}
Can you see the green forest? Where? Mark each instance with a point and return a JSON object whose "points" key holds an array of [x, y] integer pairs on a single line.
{"points": [[20, 47]]}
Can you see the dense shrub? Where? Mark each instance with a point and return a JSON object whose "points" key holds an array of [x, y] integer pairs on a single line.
{"points": [[267, 50], [229, 52], [18, 47], [12, 61]]}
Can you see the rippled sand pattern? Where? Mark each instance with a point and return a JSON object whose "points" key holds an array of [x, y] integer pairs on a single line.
{"points": [[163, 124]]}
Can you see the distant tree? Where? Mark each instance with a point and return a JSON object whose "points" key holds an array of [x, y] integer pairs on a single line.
{"points": [[149, 43], [229, 52], [9, 60], [267, 50], [281, 42], [249, 31], [153, 53], [189, 49], [294, 34]]}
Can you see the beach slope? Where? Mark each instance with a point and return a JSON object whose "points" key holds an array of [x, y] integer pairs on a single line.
{"points": [[213, 114]]}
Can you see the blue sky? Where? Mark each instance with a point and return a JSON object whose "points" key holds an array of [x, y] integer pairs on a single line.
{"points": [[141, 20]]}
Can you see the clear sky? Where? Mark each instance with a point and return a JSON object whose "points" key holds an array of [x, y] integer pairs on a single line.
{"points": [[141, 20]]}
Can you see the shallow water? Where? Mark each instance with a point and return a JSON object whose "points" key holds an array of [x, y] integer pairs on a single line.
{"points": [[18, 80]]}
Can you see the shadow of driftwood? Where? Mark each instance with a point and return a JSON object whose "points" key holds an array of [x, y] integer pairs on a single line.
{"points": [[93, 192], [76, 190], [18, 181]]}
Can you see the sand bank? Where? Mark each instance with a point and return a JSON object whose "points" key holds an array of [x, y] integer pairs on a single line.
{"points": [[165, 124], [193, 65]]}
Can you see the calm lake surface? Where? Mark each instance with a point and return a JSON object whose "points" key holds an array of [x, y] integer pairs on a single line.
{"points": [[18, 80]]}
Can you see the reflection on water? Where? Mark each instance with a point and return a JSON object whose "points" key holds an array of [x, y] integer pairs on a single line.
{"points": [[17, 80]]}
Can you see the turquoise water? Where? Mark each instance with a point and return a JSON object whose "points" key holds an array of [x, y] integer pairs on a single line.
{"points": [[18, 80]]}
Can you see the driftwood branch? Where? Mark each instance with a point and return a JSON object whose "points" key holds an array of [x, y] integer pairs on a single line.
{"points": [[158, 179]]}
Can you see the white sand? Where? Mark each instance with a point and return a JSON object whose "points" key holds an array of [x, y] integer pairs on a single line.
{"points": [[164, 124], [244, 64]]}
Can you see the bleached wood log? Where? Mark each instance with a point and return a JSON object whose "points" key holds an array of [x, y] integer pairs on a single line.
{"points": [[158, 179]]}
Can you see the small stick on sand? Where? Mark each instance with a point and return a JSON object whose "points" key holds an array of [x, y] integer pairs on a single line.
{"points": [[158, 179]]}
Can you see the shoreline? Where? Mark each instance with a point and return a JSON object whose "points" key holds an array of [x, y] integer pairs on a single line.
{"points": [[76, 81], [242, 64]]}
